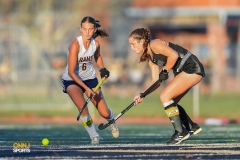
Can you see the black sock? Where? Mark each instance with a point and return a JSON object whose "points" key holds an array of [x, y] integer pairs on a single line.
{"points": [[173, 114], [186, 120]]}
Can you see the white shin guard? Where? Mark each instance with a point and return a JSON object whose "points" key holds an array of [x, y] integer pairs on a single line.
{"points": [[89, 125]]}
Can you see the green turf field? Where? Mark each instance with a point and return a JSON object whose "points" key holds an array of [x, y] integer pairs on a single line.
{"points": [[75, 134], [134, 142], [222, 105]]}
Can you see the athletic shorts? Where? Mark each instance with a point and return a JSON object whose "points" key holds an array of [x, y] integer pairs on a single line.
{"points": [[91, 83], [191, 66]]}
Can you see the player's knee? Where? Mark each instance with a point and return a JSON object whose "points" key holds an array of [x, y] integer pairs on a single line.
{"points": [[164, 97]]}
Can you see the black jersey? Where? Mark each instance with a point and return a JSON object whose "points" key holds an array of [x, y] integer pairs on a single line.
{"points": [[158, 59], [191, 65]]}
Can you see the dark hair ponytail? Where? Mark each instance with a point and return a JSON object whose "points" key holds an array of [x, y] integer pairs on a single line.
{"points": [[139, 34], [99, 32]]}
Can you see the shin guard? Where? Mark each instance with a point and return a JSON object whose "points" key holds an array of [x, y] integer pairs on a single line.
{"points": [[173, 113], [89, 126]]}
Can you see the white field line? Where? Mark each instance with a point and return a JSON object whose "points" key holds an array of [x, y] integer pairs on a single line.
{"points": [[168, 151], [171, 151], [219, 149]]}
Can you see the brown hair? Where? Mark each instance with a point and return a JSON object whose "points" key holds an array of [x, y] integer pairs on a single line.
{"points": [[99, 32], [139, 34]]}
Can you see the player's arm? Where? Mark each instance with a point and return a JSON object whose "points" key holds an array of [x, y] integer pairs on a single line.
{"points": [[154, 73], [158, 47], [98, 58]]}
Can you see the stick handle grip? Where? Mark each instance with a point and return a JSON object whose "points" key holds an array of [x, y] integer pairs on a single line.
{"points": [[149, 89], [99, 84], [142, 95], [95, 89], [103, 126]]}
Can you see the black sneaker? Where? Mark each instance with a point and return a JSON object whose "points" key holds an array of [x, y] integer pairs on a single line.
{"points": [[195, 129], [178, 137]]}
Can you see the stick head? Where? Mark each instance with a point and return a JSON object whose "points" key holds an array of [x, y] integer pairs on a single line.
{"points": [[101, 126]]}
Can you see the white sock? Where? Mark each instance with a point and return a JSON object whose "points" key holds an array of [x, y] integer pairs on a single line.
{"points": [[89, 125], [111, 115]]}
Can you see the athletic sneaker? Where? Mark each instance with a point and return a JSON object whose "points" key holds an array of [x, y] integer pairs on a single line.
{"points": [[195, 129], [178, 137], [95, 140], [114, 130]]}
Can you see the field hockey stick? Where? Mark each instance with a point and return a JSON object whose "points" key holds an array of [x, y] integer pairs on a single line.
{"points": [[91, 96], [149, 90]]}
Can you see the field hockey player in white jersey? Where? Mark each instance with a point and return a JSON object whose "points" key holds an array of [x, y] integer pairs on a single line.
{"points": [[80, 77]]}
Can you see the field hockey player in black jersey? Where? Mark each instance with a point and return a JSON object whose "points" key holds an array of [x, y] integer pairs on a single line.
{"points": [[163, 56]]}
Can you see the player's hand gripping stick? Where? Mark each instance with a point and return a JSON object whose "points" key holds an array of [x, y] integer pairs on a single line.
{"points": [[91, 96], [149, 90]]}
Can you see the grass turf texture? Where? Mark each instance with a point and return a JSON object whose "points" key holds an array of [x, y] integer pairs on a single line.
{"points": [[216, 105], [75, 134]]}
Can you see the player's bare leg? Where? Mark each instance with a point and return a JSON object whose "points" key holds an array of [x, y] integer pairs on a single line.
{"points": [[105, 112], [179, 85], [76, 94]]}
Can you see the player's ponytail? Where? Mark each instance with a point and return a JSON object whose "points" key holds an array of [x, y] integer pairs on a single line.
{"points": [[99, 32]]}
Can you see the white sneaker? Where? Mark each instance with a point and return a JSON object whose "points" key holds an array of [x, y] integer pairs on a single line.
{"points": [[114, 130], [95, 140]]}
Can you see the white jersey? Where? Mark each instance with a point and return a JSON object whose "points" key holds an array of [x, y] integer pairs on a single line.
{"points": [[84, 67]]}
